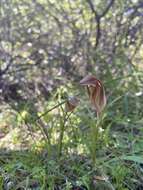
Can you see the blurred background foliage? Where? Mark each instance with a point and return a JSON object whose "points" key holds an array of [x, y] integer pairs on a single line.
{"points": [[46, 47]]}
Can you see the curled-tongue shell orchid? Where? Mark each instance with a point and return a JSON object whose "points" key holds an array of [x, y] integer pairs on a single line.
{"points": [[71, 103], [96, 92]]}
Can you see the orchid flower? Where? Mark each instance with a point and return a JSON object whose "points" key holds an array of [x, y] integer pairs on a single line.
{"points": [[96, 92]]}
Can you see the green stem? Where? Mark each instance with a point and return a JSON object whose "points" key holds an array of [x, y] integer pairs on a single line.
{"points": [[95, 139], [44, 131], [56, 106], [94, 142], [62, 130], [61, 140]]}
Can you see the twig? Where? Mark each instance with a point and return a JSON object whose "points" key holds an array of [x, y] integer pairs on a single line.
{"points": [[98, 18]]}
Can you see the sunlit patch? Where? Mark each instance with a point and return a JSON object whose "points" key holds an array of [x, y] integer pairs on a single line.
{"points": [[139, 93]]}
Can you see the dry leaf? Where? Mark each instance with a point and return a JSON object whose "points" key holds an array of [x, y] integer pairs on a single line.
{"points": [[96, 92], [100, 178]]}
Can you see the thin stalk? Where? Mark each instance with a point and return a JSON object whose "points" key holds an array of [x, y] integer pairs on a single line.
{"points": [[46, 137], [62, 130], [94, 143], [51, 109], [95, 138], [42, 125]]}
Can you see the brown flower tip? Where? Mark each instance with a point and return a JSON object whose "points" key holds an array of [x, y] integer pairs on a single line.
{"points": [[71, 103], [96, 92]]}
